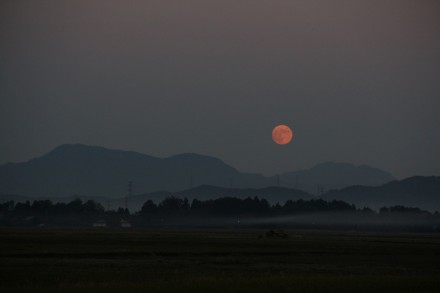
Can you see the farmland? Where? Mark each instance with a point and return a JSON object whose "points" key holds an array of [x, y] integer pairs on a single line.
{"points": [[166, 260]]}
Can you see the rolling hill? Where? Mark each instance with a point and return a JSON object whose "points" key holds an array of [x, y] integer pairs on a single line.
{"points": [[417, 191], [330, 175], [75, 169]]}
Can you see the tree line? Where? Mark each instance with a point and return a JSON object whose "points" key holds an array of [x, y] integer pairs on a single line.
{"points": [[173, 210], [231, 206]]}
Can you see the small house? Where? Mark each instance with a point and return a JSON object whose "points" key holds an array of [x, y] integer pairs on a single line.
{"points": [[125, 224], [100, 224]]}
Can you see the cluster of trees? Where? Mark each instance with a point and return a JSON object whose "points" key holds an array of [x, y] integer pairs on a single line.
{"points": [[40, 207], [231, 206], [173, 210], [74, 213]]}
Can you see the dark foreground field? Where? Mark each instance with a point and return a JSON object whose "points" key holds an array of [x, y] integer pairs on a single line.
{"points": [[215, 261]]}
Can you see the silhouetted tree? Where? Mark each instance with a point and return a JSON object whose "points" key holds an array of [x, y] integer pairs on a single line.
{"points": [[7, 206], [123, 212], [171, 204], [23, 207], [148, 208], [74, 207], [185, 204], [91, 207]]}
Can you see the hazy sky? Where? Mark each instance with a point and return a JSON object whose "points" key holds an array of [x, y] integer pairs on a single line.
{"points": [[358, 81]]}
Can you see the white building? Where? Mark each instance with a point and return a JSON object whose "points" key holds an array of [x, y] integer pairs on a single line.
{"points": [[125, 224], [100, 223]]}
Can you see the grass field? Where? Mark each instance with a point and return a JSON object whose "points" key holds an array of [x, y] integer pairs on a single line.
{"points": [[50, 260]]}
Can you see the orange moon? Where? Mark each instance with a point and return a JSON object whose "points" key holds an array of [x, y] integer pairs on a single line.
{"points": [[282, 134]]}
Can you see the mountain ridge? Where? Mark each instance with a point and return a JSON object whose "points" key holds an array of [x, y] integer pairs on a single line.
{"points": [[97, 171], [415, 191]]}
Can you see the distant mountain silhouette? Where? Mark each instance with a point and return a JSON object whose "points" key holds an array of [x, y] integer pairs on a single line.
{"points": [[97, 171], [75, 169], [418, 191], [331, 175]]}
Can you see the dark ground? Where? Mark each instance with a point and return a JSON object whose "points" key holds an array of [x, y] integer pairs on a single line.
{"points": [[95, 260]]}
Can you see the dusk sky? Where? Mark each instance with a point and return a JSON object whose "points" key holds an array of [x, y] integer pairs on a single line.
{"points": [[358, 81]]}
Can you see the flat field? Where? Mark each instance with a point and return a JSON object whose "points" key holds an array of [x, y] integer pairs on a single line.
{"points": [[103, 260]]}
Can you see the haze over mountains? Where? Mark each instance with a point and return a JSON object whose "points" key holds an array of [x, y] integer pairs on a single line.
{"points": [[331, 175], [101, 174], [74, 169], [417, 191]]}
